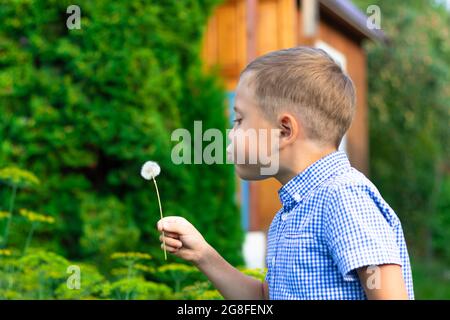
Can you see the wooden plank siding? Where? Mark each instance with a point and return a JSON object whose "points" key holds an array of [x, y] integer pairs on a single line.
{"points": [[241, 30], [225, 41]]}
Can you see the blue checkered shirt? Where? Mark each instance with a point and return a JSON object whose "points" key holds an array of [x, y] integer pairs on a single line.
{"points": [[333, 221]]}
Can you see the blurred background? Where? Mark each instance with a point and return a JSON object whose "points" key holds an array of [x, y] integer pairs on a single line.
{"points": [[91, 90]]}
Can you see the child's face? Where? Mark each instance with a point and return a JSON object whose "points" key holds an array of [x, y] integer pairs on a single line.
{"points": [[253, 137]]}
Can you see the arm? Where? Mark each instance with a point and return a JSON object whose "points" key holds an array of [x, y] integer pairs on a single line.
{"points": [[183, 240], [383, 282]]}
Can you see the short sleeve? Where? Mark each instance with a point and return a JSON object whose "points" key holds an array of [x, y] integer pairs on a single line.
{"points": [[357, 232]]}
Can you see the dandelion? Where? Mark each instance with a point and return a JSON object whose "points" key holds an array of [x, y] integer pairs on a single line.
{"points": [[150, 170]]}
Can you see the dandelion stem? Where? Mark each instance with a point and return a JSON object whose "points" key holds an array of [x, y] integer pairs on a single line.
{"points": [[160, 211]]}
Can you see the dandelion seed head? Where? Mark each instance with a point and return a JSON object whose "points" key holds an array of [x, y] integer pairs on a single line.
{"points": [[150, 170]]}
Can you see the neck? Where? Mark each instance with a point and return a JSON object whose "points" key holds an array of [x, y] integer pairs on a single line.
{"points": [[297, 164]]}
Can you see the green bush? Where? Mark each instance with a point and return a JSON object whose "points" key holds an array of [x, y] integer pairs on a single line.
{"points": [[409, 96], [84, 109], [107, 228], [135, 289], [178, 275]]}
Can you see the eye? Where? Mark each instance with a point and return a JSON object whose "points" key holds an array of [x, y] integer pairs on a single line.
{"points": [[237, 121]]}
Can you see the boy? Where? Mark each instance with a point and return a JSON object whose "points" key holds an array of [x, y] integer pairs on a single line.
{"points": [[335, 237]]}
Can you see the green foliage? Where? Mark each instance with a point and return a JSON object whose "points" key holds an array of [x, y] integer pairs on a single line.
{"points": [[39, 274], [409, 113], [91, 284], [259, 274], [409, 104], [177, 275], [431, 280], [43, 275], [84, 109], [16, 177], [135, 289], [100, 238], [201, 290]]}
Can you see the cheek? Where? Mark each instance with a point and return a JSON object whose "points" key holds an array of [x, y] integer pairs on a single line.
{"points": [[251, 141], [242, 143], [269, 142]]}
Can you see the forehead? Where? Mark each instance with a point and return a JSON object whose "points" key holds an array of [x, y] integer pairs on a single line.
{"points": [[245, 90]]}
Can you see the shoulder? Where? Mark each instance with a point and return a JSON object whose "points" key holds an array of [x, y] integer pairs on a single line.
{"points": [[352, 195]]}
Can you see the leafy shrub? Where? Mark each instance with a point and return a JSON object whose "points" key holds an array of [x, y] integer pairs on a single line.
{"points": [[409, 94], [201, 290], [136, 289], [84, 109], [177, 275]]}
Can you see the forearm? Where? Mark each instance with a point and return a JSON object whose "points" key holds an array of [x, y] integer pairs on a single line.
{"points": [[230, 282]]}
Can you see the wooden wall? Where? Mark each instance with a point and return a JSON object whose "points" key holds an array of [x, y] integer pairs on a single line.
{"points": [[225, 41], [241, 30]]}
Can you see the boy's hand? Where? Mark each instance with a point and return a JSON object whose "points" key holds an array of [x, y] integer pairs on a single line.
{"points": [[183, 239]]}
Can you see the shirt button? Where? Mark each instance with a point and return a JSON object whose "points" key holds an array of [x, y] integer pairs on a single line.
{"points": [[283, 217]]}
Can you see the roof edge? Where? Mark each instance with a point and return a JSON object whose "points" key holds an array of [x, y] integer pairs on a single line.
{"points": [[355, 18]]}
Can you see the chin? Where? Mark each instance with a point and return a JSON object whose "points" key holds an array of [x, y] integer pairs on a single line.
{"points": [[250, 174]]}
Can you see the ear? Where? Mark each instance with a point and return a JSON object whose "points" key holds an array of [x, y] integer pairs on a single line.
{"points": [[290, 129]]}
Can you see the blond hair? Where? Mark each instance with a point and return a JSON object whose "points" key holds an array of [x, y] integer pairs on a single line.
{"points": [[308, 82]]}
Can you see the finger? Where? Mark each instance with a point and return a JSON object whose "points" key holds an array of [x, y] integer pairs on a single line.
{"points": [[169, 219], [169, 248], [172, 224], [171, 242], [172, 235]]}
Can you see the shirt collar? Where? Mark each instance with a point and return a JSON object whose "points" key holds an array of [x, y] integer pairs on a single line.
{"points": [[296, 189]]}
